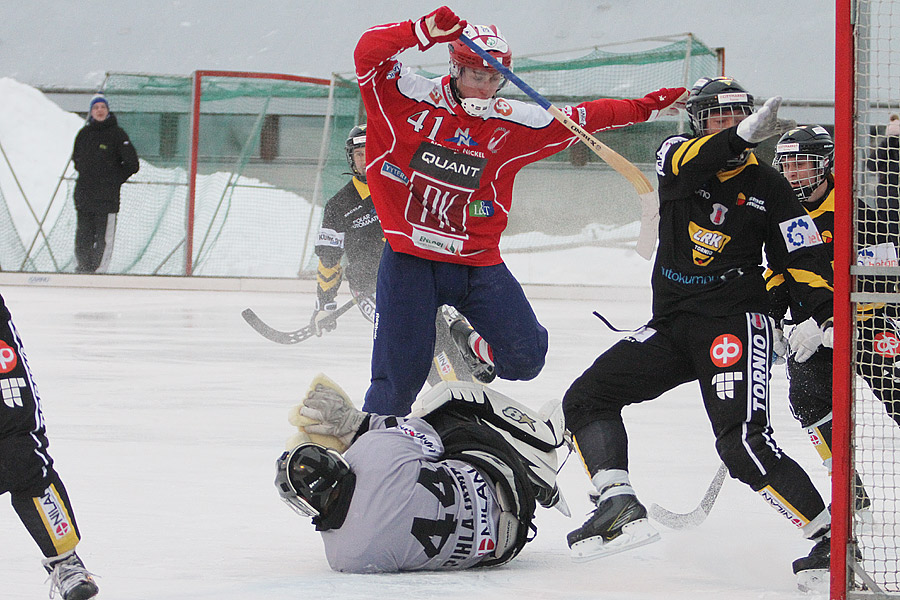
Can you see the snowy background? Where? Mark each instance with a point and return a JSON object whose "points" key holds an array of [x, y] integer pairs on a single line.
{"points": [[166, 412], [772, 47]]}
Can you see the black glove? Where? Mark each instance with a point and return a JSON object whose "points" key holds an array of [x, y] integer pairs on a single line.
{"points": [[323, 317]]}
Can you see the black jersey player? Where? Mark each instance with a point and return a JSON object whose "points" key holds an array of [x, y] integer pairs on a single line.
{"points": [[805, 156], [719, 209], [26, 471]]}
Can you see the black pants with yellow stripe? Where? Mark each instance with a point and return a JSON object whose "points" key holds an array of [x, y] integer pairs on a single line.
{"points": [[26, 469], [730, 358]]}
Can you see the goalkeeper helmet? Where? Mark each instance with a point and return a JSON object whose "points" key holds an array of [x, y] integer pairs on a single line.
{"points": [[309, 478], [716, 97], [805, 155], [489, 39], [356, 139]]}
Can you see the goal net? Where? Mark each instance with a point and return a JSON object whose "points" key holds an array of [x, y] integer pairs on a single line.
{"points": [[866, 524], [236, 167]]}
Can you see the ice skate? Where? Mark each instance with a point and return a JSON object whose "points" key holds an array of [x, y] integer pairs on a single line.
{"points": [[861, 500], [618, 523], [461, 331], [812, 570], [69, 577]]}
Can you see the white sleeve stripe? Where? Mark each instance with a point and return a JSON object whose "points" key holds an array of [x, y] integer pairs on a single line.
{"points": [[419, 28]]}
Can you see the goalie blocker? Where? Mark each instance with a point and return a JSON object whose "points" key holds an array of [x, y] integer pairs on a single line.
{"points": [[474, 457]]}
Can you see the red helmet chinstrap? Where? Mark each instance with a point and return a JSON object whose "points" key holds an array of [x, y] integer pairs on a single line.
{"points": [[487, 37]]}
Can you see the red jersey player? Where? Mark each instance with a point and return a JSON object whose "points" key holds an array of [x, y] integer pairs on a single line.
{"points": [[442, 157]]}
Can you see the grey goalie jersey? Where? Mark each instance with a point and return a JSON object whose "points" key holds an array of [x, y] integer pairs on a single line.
{"points": [[410, 509]]}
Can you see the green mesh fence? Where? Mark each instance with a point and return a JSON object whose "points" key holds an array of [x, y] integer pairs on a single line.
{"points": [[12, 251], [271, 151]]}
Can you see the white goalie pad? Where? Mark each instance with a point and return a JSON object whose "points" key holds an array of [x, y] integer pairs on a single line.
{"points": [[535, 435], [543, 428]]}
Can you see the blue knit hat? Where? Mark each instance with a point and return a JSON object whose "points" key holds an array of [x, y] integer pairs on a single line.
{"points": [[98, 98]]}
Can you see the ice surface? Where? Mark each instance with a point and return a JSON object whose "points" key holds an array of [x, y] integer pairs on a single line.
{"points": [[166, 412]]}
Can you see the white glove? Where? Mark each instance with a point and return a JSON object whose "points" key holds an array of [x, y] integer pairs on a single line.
{"points": [[779, 345], [764, 123], [323, 317], [332, 411], [806, 338]]}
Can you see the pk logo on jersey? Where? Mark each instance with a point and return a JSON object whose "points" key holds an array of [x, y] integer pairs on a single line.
{"points": [[887, 344], [726, 350], [8, 358]]}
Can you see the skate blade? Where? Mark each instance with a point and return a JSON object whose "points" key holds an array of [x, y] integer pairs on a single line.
{"points": [[864, 520], [813, 581], [635, 534]]}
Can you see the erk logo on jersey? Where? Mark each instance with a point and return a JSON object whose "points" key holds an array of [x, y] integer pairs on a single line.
{"points": [[800, 233], [481, 208], [707, 243]]}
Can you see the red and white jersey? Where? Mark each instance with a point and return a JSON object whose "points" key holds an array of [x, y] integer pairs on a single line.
{"points": [[442, 180]]}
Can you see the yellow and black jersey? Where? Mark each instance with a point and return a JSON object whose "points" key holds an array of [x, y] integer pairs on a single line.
{"points": [[715, 222], [350, 226], [822, 213]]}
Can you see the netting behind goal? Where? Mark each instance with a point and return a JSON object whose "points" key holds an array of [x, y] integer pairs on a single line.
{"points": [[867, 342], [239, 188]]}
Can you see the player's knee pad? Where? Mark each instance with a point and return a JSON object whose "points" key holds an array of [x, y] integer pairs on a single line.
{"points": [[522, 364], [23, 467], [582, 405]]}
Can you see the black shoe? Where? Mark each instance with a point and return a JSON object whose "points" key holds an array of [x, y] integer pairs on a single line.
{"points": [[68, 575], [861, 500], [460, 331], [818, 558], [617, 524]]}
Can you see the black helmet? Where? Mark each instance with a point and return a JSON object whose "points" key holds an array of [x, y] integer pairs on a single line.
{"points": [[715, 96], [309, 478], [356, 139], [810, 143]]}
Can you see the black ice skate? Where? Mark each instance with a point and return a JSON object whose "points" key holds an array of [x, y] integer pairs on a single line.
{"points": [[812, 570], [460, 331], [69, 577], [618, 523]]}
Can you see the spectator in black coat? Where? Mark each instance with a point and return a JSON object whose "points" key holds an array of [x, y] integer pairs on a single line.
{"points": [[104, 159]]}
